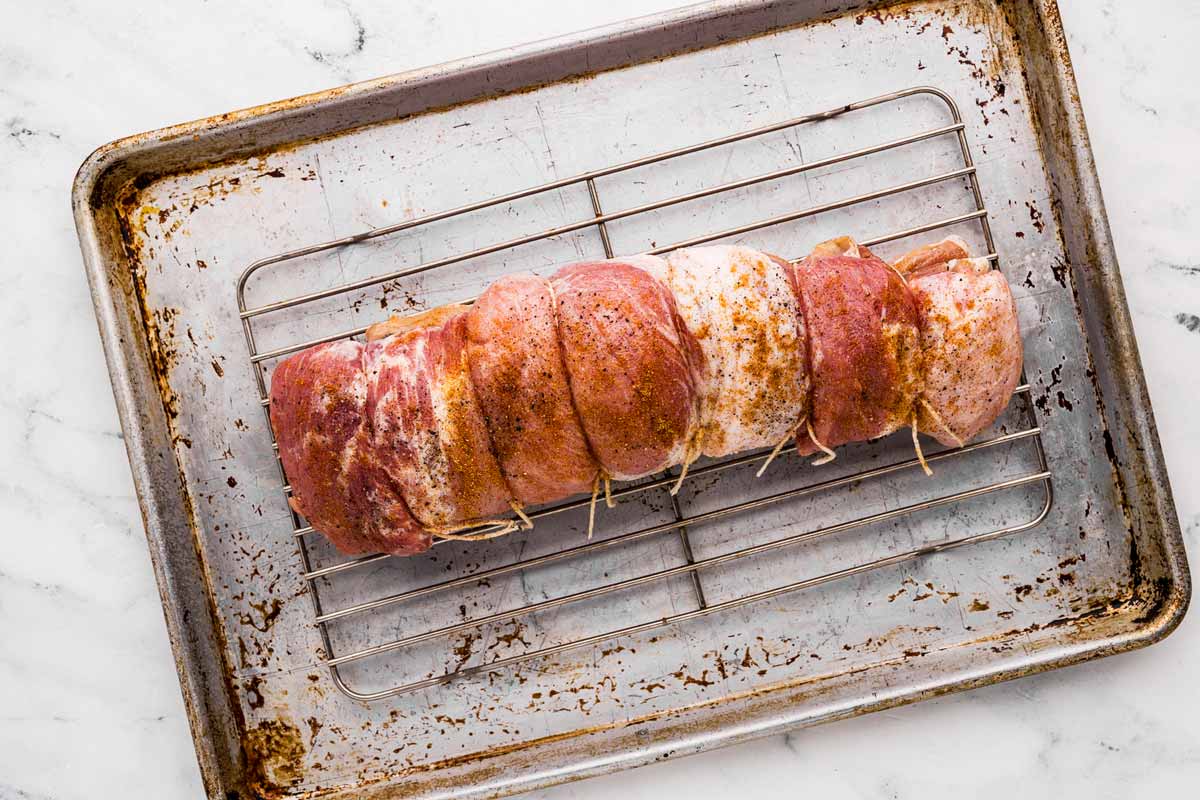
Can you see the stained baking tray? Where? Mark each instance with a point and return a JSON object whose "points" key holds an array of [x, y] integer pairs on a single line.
{"points": [[169, 220]]}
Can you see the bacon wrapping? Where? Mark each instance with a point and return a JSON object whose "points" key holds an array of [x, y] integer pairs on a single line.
{"points": [[460, 416]]}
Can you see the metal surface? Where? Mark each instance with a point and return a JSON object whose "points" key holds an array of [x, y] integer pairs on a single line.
{"points": [[169, 220], [494, 604]]}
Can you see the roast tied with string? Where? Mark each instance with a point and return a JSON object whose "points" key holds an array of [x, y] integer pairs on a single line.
{"points": [[449, 423]]}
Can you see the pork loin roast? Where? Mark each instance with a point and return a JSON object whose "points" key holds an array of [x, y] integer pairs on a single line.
{"points": [[619, 369]]}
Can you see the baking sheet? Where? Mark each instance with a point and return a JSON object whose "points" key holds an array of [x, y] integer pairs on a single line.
{"points": [[1101, 573]]}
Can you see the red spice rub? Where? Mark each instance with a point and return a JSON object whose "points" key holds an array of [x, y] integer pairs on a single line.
{"points": [[864, 345], [430, 436], [631, 363], [519, 377], [970, 337]]}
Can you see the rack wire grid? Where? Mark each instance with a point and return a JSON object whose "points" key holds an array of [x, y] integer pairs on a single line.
{"points": [[321, 580]]}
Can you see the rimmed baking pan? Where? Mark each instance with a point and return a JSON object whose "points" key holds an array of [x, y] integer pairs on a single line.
{"points": [[1070, 548]]}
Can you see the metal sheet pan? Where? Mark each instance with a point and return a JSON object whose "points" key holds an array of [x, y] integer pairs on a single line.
{"points": [[167, 220]]}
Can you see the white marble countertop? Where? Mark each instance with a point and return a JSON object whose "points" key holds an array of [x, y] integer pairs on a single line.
{"points": [[89, 702]]}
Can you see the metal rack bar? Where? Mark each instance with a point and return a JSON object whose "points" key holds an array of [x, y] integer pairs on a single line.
{"points": [[708, 469], [315, 576], [511, 243], [696, 566], [713, 561], [564, 182], [808, 583], [625, 539]]}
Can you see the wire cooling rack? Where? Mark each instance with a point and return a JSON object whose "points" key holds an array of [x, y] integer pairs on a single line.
{"points": [[489, 607]]}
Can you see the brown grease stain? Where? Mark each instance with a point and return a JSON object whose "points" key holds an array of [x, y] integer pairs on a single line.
{"points": [[274, 752]]}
